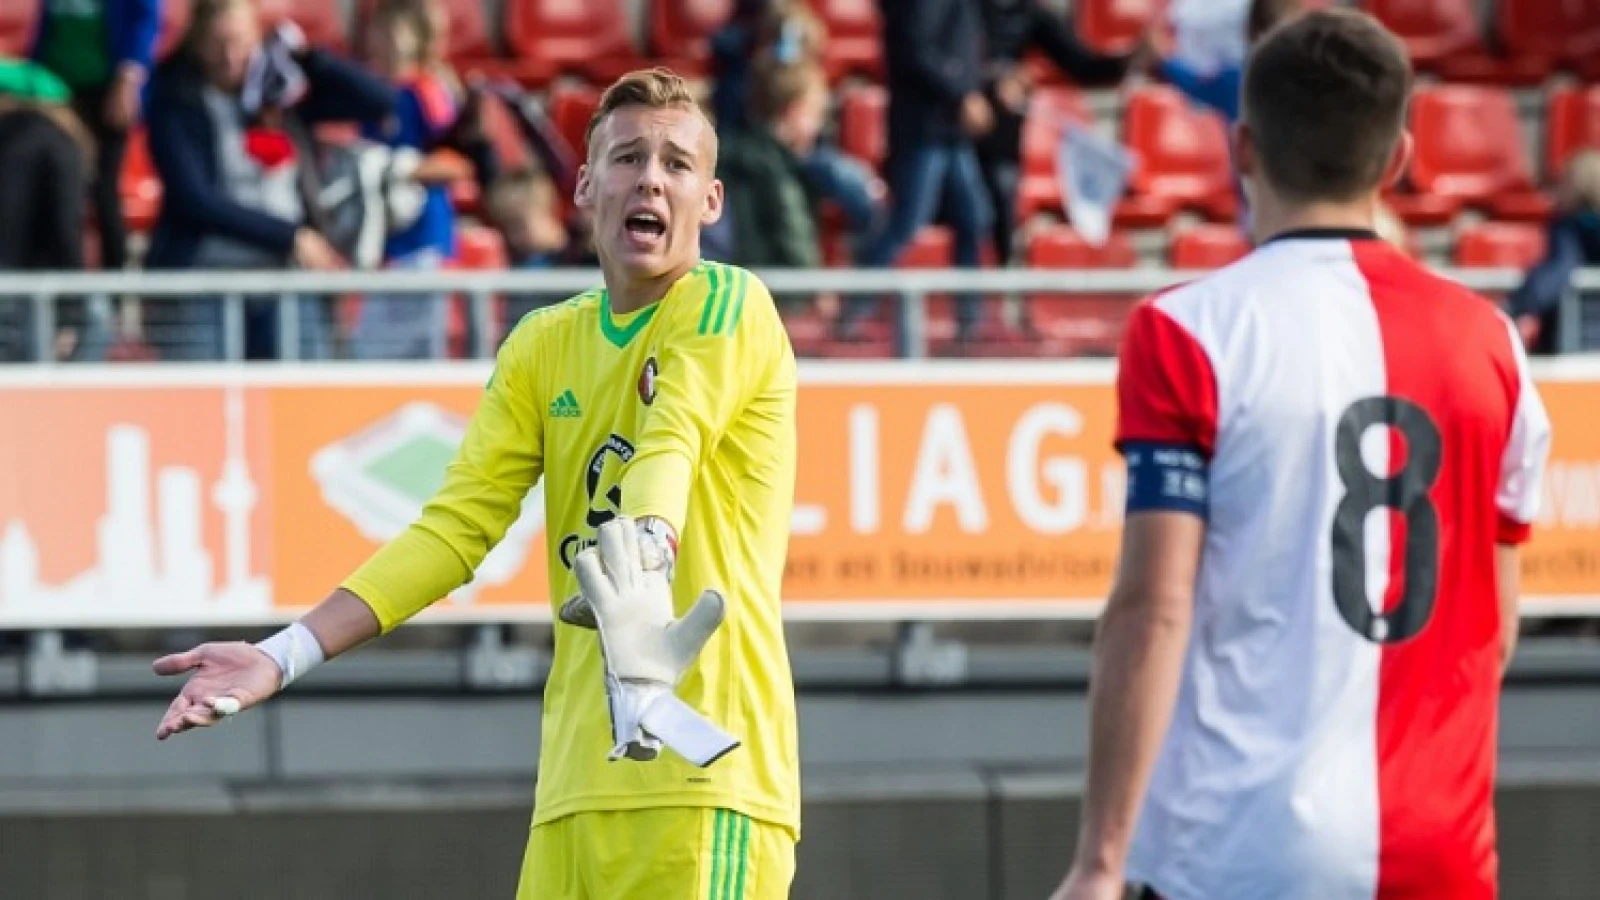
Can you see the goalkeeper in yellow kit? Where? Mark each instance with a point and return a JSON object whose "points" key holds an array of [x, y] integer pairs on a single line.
{"points": [[660, 411]]}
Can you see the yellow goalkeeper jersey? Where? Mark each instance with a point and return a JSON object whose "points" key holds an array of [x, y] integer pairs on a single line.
{"points": [[683, 410]]}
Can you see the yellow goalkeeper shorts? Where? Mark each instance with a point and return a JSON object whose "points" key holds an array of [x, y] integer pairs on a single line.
{"points": [[671, 853]]}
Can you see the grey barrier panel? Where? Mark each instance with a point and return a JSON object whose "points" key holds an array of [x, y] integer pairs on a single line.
{"points": [[911, 286]]}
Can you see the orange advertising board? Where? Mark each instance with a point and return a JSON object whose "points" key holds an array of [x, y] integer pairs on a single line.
{"points": [[162, 496]]}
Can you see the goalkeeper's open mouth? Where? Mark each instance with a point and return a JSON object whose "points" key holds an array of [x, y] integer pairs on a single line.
{"points": [[646, 229]]}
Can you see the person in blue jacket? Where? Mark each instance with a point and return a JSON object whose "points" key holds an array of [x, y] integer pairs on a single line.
{"points": [[103, 50], [1217, 89], [233, 197], [1573, 243]]}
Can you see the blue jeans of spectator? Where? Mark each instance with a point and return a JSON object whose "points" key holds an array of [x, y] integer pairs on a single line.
{"points": [[920, 178], [837, 176]]}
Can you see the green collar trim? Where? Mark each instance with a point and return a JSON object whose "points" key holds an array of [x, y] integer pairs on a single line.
{"points": [[622, 335]]}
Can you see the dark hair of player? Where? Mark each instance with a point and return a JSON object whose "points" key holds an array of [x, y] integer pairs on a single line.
{"points": [[1325, 102], [1265, 14]]}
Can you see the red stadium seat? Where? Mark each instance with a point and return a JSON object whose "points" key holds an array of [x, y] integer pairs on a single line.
{"points": [[500, 126], [1050, 109], [1500, 245], [138, 184], [1566, 31], [479, 247], [1208, 247], [680, 31], [1573, 124], [1116, 26], [570, 37], [17, 23], [854, 45], [471, 37], [1061, 247], [1469, 151], [932, 248], [1431, 29], [1079, 323], [1182, 153], [323, 22], [571, 107], [1446, 36], [863, 123]]}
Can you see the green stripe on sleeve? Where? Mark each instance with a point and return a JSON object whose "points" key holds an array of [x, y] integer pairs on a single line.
{"points": [[736, 282], [738, 306], [711, 299]]}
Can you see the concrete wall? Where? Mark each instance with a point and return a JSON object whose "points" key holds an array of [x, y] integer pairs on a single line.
{"points": [[1010, 844]]}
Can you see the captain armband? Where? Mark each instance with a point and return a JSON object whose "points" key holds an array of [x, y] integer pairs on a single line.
{"points": [[1167, 477]]}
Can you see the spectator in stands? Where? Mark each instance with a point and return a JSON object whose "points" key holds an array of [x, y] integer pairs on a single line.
{"points": [[522, 205], [1573, 243], [223, 117], [44, 168], [772, 34], [406, 44], [937, 110], [777, 31], [103, 51], [1011, 29], [769, 210], [1219, 89]]}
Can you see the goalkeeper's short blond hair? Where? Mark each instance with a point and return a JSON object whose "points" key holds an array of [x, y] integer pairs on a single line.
{"points": [[657, 88]]}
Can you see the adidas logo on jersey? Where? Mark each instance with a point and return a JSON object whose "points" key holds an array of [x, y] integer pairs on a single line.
{"points": [[565, 406]]}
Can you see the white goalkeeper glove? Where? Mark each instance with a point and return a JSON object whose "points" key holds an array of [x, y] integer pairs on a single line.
{"points": [[644, 649]]}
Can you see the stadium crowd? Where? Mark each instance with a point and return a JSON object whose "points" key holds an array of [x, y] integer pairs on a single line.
{"points": [[418, 134]]}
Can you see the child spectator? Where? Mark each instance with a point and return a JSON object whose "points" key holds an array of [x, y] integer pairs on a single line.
{"points": [[769, 35], [522, 206], [783, 32], [769, 211], [406, 41]]}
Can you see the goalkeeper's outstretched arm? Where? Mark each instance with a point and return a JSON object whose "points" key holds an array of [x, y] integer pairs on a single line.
{"points": [[500, 458], [229, 677]]}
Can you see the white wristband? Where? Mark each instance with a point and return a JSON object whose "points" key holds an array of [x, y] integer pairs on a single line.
{"points": [[295, 650]]}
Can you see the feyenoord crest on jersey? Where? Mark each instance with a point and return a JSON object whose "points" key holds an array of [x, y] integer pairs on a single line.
{"points": [[647, 382]]}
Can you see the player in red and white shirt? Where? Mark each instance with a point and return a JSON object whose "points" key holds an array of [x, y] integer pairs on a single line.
{"points": [[1332, 456]]}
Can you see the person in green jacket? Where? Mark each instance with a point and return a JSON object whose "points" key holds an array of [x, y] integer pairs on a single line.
{"points": [[773, 222]]}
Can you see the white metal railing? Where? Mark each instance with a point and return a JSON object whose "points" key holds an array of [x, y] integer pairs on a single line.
{"points": [[911, 286]]}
